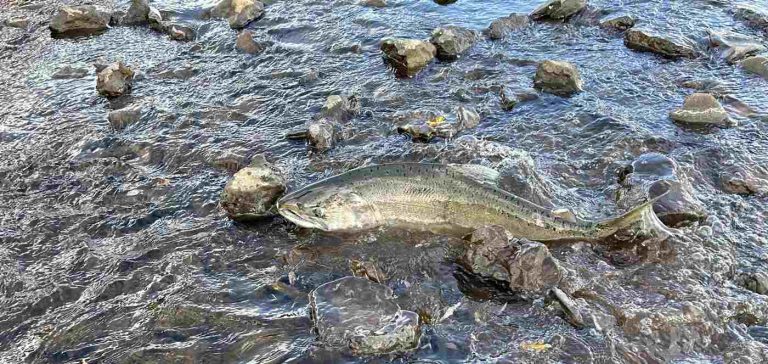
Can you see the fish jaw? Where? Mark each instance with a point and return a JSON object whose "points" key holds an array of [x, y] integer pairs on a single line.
{"points": [[293, 213]]}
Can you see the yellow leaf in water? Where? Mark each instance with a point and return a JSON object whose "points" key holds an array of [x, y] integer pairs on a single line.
{"points": [[437, 120], [537, 346]]}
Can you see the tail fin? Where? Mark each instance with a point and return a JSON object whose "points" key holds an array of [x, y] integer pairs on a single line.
{"points": [[641, 221]]}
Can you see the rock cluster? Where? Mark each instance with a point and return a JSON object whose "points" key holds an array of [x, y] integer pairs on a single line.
{"points": [[252, 192], [363, 317]]}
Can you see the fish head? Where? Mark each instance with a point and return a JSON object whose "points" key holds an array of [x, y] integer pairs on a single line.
{"points": [[327, 208]]}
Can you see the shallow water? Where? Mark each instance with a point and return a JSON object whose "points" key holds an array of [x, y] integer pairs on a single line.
{"points": [[113, 247]]}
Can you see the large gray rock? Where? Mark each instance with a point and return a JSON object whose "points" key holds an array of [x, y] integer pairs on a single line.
{"points": [[138, 13], [734, 47], [558, 78], [500, 28], [757, 65], [647, 40], [451, 41], [238, 12], [527, 266], [652, 175], [81, 19], [701, 108], [408, 56], [115, 80], [362, 316], [558, 9], [754, 281], [252, 191]]}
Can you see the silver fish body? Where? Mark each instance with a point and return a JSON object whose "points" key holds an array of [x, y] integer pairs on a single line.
{"points": [[437, 198]]}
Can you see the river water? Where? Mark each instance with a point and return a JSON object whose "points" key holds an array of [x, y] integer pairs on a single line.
{"points": [[113, 248]]}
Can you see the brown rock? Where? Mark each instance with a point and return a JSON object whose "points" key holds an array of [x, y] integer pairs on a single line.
{"points": [[559, 78], [646, 40], [115, 80], [408, 56]]}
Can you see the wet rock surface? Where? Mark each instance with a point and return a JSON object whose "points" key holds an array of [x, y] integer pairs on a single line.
{"points": [[237, 12], [246, 43], [82, 19], [654, 175], [115, 80], [407, 56], [252, 192], [648, 40], [757, 65], [734, 47], [702, 109], [362, 316], [558, 9], [527, 267], [618, 22], [502, 27], [558, 77], [451, 41]]}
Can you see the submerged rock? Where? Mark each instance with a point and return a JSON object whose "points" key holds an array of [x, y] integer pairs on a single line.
{"points": [[701, 108], [138, 13], [180, 32], [754, 281], [362, 316], [467, 118], [341, 108], [734, 47], [81, 19], [408, 56], [120, 119], [115, 80], [757, 65], [452, 41], [621, 22], [237, 12], [252, 191], [753, 15], [500, 28], [647, 40], [68, 72], [558, 9], [559, 78], [17, 22], [246, 43], [652, 175], [527, 266], [374, 3]]}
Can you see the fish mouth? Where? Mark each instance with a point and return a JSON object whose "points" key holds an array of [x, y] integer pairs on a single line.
{"points": [[292, 212]]}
